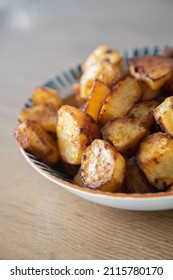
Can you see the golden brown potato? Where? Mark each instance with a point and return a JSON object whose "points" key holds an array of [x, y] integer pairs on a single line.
{"points": [[135, 181], [75, 132], [124, 133], [155, 158], [76, 91], [100, 53], [105, 71], [34, 139], [164, 115], [76, 88], [120, 101], [99, 93], [155, 70], [74, 99], [147, 92], [102, 167], [144, 112], [44, 95], [44, 114], [71, 101]]}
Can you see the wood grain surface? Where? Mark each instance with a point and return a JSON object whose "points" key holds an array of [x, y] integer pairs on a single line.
{"points": [[39, 220]]}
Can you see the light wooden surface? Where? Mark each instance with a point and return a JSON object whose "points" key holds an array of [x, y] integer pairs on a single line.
{"points": [[39, 220]]}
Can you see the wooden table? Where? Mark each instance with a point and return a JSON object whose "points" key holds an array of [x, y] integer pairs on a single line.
{"points": [[39, 220]]}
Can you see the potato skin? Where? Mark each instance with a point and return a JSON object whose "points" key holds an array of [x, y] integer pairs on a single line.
{"points": [[155, 70], [102, 167], [147, 92], [32, 138], [44, 114], [100, 53], [75, 132], [135, 181], [155, 158], [120, 101], [163, 115], [144, 112], [47, 95], [124, 133], [103, 70]]}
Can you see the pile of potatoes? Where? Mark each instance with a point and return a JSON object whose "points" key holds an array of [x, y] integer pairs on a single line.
{"points": [[115, 131]]}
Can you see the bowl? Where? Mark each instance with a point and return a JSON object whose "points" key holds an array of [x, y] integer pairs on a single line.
{"points": [[137, 202]]}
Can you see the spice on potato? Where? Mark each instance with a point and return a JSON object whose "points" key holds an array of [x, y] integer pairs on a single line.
{"points": [[75, 132], [102, 167], [155, 158], [34, 139]]}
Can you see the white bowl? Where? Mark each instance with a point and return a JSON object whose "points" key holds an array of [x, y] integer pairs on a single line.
{"points": [[147, 202]]}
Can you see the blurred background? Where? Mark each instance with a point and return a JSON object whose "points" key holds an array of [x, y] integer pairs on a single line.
{"points": [[39, 37]]}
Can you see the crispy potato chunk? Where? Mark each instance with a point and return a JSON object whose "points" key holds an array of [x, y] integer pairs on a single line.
{"points": [[76, 91], [143, 111], [164, 115], [155, 158], [71, 101], [100, 53], [102, 167], [147, 92], [75, 132], [155, 70], [120, 101], [34, 139], [135, 181], [44, 95], [105, 71], [124, 133], [99, 93], [44, 114]]}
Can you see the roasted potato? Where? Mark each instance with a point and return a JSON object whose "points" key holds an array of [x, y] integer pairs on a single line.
{"points": [[71, 101], [155, 70], [44, 114], [135, 181], [147, 92], [100, 53], [120, 101], [99, 92], [144, 112], [155, 158], [103, 70], [47, 95], [124, 133], [75, 132], [34, 139], [102, 167], [164, 115]]}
